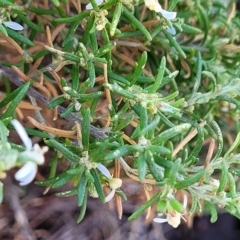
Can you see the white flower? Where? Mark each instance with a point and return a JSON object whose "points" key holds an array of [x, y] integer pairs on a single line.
{"points": [[172, 216], [155, 6], [171, 30], [13, 25], [114, 183], [173, 219], [27, 173], [90, 7], [32, 154]]}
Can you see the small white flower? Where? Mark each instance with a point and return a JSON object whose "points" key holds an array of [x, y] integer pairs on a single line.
{"points": [[173, 217], [114, 183], [155, 6], [77, 106], [13, 25], [35, 153], [90, 7], [166, 14], [26, 174], [171, 30]]}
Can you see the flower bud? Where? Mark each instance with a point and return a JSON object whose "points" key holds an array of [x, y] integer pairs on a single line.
{"points": [[115, 183]]}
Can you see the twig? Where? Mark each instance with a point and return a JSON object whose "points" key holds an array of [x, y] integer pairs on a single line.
{"points": [[14, 78], [190, 136]]}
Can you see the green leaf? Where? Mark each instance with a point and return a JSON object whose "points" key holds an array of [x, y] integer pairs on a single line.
{"points": [[155, 86], [231, 185], [89, 26], [18, 37], [150, 127], [77, 17], [71, 31], [3, 30], [172, 4], [121, 194], [195, 204], [84, 52], [77, 170], [98, 185], [122, 111], [176, 205], [165, 120], [125, 122], [68, 193], [85, 127], [142, 166], [37, 133], [83, 208], [116, 17], [59, 8], [41, 11], [61, 148], [158, 150], [235, 171], [144, 207], [71, 57], [136, 132], [233, 210], [63, 180], [220, 139], [32, 25], [94, 43], [204, 21], [5, 3], [53, 165], [224, 177], [198, 74], [213, 211], [10, 97], [165, 163], [155, 170], [91, 72], [55, 102], [137, 23], [123, 151], [143, 117], [67, 111], [3, 133], [119, 90], [190, 180], [174, 43], [170, 133], [114, 76], [75, 77], [173, 173], [190, 29], [138, 70], [108, 47], [82, 189], [233, 146], [51, 181], [161, 206], [21, 94], [211, 76], [198, 147]]}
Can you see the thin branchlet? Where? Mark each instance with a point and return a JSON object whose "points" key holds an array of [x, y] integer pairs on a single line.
{"points": [[18, 81]]}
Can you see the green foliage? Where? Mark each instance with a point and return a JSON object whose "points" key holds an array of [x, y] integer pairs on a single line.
{"points": [[167, 86]]}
